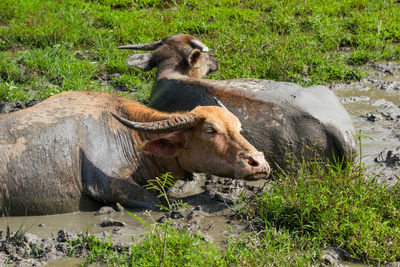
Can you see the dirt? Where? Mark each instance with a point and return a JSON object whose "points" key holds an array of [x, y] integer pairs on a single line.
{"points": [[25, 249], [10, 107], [374, 104]]}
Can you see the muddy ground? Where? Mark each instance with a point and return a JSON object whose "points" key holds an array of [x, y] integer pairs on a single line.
{"points": [[374, 104], [210, 215]]}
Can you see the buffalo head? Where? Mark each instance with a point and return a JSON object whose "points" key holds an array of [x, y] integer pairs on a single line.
{"points": [[206, 139], [181, 55]]}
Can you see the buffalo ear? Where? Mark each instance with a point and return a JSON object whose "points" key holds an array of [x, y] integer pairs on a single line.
{"points": [[194, 57], [165, 145], [141, 61]]}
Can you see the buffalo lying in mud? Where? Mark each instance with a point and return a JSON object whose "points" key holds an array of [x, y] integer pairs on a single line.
{"points": [[69, 152], [279, 118]]}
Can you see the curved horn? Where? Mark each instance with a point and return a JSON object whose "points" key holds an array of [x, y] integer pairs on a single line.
{"points": [[219, 103], [199, 45], [164, 126], [147, 46]]}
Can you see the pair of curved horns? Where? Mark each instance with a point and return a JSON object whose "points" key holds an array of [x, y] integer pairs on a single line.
{"points": [[147, 46], [172, 124], [156, 44]]}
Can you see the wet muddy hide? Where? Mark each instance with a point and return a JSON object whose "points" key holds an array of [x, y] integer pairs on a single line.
{"points": [[283, 120]]}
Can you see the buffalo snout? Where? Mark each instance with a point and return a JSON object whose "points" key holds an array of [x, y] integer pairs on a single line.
{"points": [[254, 165]]}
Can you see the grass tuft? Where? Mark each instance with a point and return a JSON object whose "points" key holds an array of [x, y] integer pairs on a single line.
{"points": [[164, 246], [332, 207]]}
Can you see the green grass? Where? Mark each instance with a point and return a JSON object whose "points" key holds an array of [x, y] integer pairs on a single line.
{"points": [[324, 207], [164, 246], [51, 46]]}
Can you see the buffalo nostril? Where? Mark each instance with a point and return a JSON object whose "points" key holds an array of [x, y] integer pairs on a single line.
{"points": [[252, 162]]}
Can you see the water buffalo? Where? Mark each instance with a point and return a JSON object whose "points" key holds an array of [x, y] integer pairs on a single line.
{"points": [[279, 118], [71, 151]]}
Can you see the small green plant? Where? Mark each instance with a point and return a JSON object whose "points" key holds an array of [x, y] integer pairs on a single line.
{"points": [[159, 230], [359, 57], [360, 137], [161, 185], [19, 235]]}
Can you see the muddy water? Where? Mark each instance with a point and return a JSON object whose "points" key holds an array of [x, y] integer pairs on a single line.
{"points": [[209, 218], [206, 215], [47, 226], [374, 105], [72, 262]]}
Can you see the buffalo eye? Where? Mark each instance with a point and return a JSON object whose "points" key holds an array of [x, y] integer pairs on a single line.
{"points": [[210, 129]]}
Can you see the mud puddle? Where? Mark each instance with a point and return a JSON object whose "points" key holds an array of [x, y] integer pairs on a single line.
{"points": [[208, 215], [374, 104], [72, 262], [47, 226], [208, 212], [121, 226]]}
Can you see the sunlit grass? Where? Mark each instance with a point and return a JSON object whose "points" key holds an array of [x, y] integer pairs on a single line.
{"points": [[323, 206], [71, 45]]}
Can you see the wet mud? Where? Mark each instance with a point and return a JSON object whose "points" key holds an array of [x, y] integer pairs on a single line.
{"points": [[374, 104], [11, 107], [209, 214]]}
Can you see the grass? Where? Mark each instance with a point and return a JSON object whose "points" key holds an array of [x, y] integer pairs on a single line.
{"points": [[164, 246], [51, 46], [324, 207]]}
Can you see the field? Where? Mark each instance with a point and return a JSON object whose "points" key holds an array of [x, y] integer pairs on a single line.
{"points": [[51, 46], [47, 47]]}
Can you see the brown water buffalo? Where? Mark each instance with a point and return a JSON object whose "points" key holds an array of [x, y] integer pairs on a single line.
{"points": [[278, 118], [71, 151]]}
